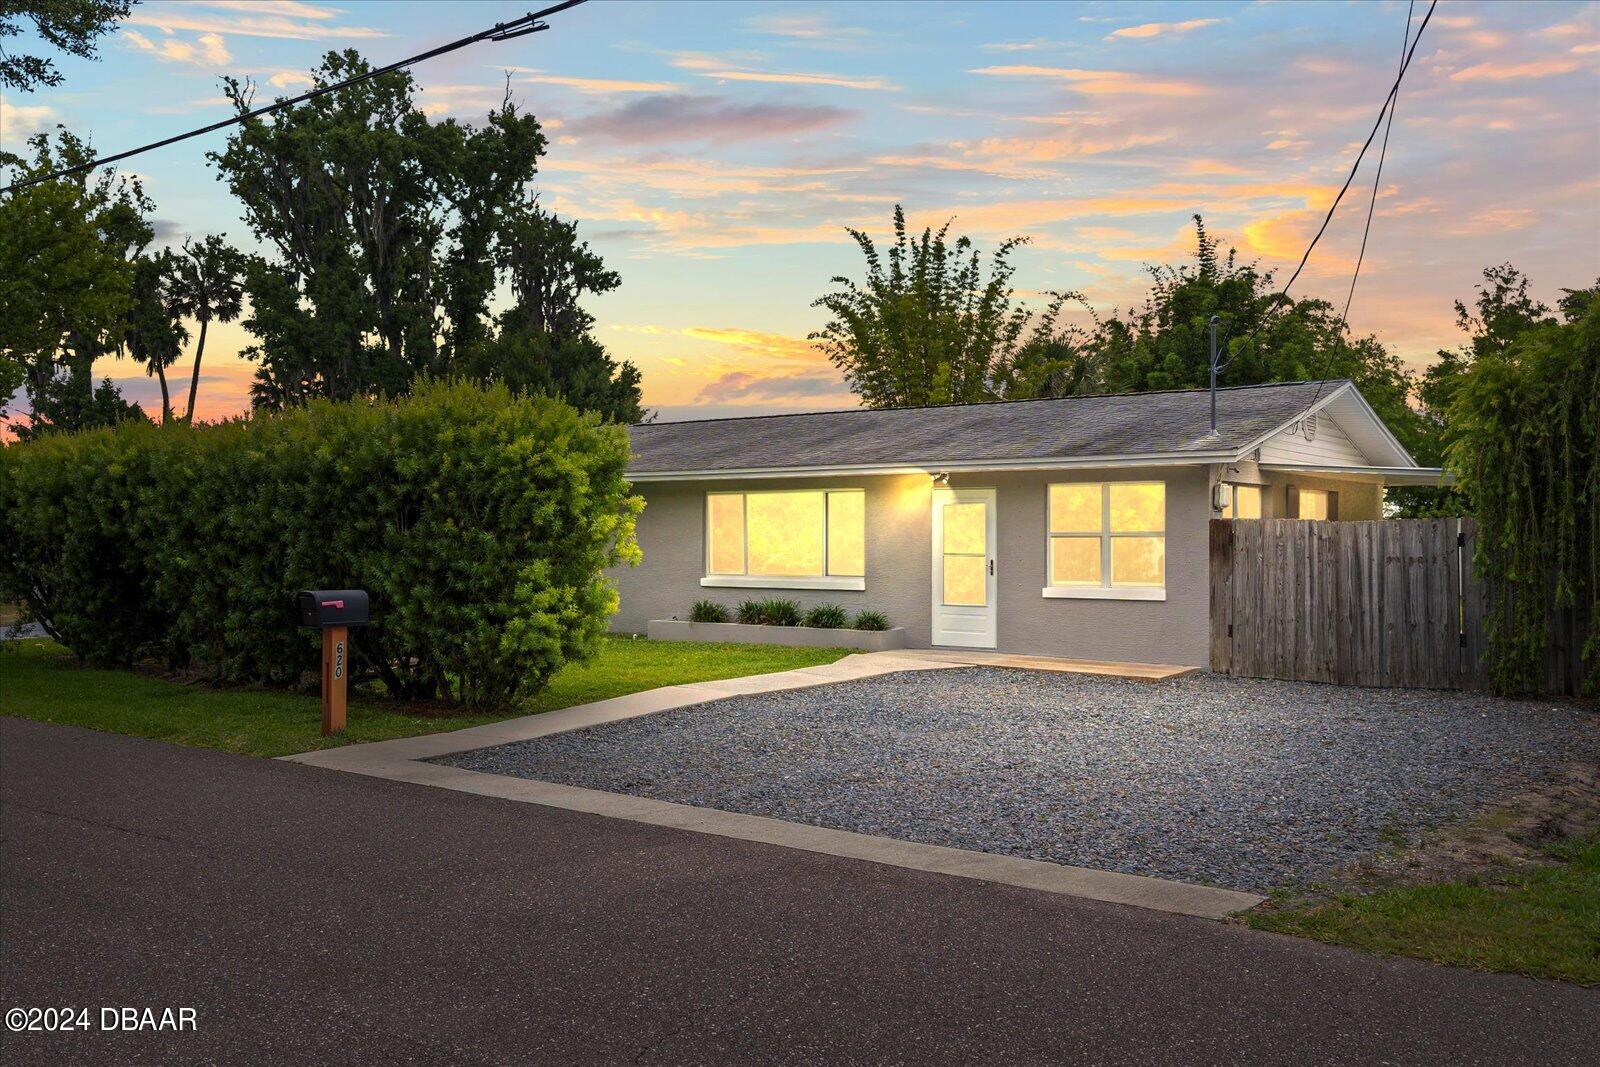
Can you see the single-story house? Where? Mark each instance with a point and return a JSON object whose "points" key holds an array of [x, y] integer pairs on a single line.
{"points": [[1073, 527]]}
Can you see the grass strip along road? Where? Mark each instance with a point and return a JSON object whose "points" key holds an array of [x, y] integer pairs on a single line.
{"points": [[41, 680]]}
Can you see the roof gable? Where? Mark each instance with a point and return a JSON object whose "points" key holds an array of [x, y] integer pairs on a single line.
{"points": [[1341, 430]]}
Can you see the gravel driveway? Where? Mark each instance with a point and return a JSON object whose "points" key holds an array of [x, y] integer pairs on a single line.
{"points": [[1233, 782]]}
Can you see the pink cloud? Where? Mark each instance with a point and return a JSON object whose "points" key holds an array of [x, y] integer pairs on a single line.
{"points": [[1100, 82], [1498, 71], [742, 385]]}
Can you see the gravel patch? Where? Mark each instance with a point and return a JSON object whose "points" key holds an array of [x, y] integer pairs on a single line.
{"points": [[1227, 781]]}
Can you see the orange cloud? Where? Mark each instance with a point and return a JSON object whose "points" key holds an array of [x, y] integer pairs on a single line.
{"points": [[1157, 29], [1494, 220], [298, 22], [1100, 82], [771, 345], [1214, 166], [754, 343]]}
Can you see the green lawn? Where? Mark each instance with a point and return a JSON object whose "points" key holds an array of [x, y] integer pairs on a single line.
{"points": [[1545, 923], [40, 680]]}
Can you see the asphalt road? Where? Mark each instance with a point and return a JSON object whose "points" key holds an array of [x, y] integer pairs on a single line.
{"points": [[312, 915]]}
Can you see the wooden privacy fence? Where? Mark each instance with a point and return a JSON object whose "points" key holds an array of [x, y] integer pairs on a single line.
{"points": [[1388, 603]]}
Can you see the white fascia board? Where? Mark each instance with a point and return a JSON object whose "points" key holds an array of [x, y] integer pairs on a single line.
{"points": [[1387, 475], [1151, 459], [1383, 427]]}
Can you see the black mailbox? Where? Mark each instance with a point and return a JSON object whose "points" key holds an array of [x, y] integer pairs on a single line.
{"points": [[333, 607]]}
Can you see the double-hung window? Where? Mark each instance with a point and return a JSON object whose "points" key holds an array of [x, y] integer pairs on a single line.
{"points": [[1108, 540], [787, 538]]}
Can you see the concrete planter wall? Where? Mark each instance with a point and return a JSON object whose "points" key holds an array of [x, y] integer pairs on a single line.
{"points": [[740, 633]]}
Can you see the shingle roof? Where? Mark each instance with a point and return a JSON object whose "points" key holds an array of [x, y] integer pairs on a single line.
{"points": [[1069, 428]]}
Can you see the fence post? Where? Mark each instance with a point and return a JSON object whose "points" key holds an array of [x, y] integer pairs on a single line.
{"points": [[1222, 595]]}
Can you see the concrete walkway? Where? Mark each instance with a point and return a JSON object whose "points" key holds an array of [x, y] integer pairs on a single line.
{"points": [[401, 760], [309, 916], [21, 632]]}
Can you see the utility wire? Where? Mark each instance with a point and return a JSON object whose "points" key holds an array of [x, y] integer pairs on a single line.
{"points": [[1372, 206], [1382, 113], [500, 31]]}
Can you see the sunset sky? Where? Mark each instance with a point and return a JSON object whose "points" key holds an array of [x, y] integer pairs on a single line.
{"points": [[714, 153]]}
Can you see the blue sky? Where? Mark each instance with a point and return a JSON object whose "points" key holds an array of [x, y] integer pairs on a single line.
{"points": [[714, 153]]}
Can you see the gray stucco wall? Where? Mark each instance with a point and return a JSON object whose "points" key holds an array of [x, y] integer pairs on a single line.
{"points": [[673, 536], [1176, 630], [899, 567], [1358, 499]]}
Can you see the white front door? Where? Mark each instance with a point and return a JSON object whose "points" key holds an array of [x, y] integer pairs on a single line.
{"points": [[963, 568]]}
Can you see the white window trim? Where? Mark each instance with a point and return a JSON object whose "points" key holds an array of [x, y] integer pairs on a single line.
{"points": [[745, 581], [781, 581], [1105, 590]]}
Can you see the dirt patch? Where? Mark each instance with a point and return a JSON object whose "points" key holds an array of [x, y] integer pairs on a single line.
{"points": [[1492, 848]]}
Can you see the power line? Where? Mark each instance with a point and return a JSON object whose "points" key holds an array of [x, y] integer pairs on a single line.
{"points": [[1372, 207], [500, 31], [1382, 113]]}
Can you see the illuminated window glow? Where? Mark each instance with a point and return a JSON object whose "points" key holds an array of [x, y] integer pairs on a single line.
{"points": [[966, 554], [1313, 504], [1108, 534], [1246, 503], [808, 533]]}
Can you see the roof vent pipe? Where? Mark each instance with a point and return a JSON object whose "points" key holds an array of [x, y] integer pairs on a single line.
{"points": [[1214, 369]]}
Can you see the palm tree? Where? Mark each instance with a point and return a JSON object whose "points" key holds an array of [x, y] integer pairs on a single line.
{"points": [[153, 332], [208, 285]]}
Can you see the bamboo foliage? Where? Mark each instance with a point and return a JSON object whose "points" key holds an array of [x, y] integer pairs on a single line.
{"points": [[1524, 448]]}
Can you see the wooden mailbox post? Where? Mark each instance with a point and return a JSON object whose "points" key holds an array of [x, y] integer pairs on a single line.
{"points": [[334, 611]]}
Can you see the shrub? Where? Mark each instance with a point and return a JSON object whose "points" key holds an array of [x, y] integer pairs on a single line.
{"points": [[826, 617], [748, 612], [708, 611], [780, 613], [479, 522], [871, 620]]}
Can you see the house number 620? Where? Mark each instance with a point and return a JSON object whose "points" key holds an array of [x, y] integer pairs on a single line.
{"points": [[338, 659]]}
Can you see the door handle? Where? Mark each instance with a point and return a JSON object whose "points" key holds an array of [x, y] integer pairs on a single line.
{"points": [[991, 567]]}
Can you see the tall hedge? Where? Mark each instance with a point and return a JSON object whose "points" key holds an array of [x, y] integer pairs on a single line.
{"points": [[1526, 449], [478, 521]]}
